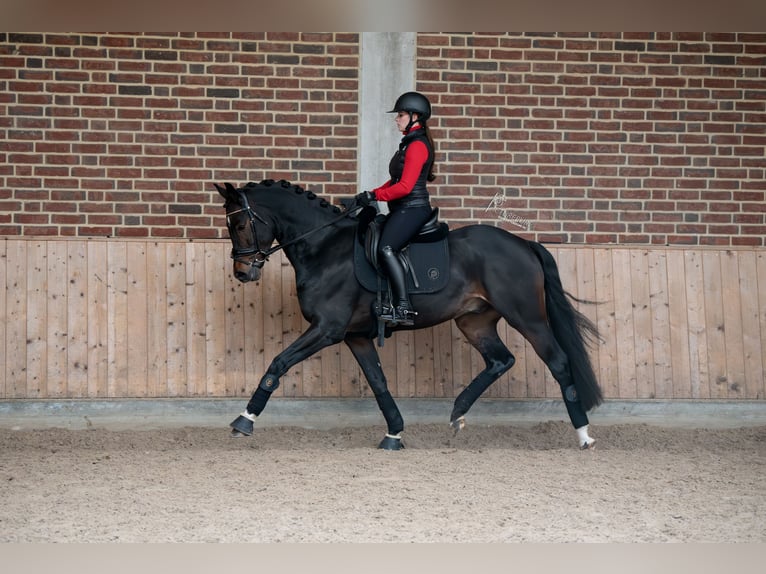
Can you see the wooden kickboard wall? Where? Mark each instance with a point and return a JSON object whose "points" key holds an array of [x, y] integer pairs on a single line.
{"points": [[143, 318]]}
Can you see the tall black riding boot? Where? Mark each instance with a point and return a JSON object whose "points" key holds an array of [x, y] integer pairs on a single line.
{"points": [[401, 312]]}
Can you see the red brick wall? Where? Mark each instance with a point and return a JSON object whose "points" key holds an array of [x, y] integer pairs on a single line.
{"points": [[603, 138], [123, 134], [584, 138]]}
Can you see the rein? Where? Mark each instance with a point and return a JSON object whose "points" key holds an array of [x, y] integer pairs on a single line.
{"points": [[261, 256]]}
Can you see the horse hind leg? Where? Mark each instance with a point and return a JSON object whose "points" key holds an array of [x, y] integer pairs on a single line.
{"points": [[481, 331], [548, 349]]}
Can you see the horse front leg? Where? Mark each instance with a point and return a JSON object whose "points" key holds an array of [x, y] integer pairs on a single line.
{"points": [[309, 342], [366, 355]]}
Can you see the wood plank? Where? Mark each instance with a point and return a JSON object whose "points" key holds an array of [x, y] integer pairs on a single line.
{"points": [[608, 363], [157, 320], [37, 317], [255, 358], [311, 376], [405, 363], [535, 374], [117, 326], [752, 343], [660, 324], [760, 263], [642, 323], [196, 344], [625, 330], [235, 334], [216, 267], [77, 319], [715, 324], [138, 330], [442, 359], [351, 379], [329, 375], [56, 376], [177, 357], [16, 320], [732, 318], [698, 345], [3, 316], [678, 324], [98, 319], [424, 363]]}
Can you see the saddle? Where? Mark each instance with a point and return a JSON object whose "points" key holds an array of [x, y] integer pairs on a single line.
{"points": [[425, 258]]}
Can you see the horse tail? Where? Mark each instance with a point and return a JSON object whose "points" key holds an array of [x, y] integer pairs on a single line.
{"points": [[571, 329]]}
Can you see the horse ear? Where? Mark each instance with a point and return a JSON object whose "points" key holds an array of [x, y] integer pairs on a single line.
{"points": [[220, 190]]}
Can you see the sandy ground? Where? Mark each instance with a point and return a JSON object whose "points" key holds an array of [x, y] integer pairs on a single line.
{"points": [[488, 484]]}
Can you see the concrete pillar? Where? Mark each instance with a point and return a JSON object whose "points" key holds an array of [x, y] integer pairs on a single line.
{"points": [[387, 61]]}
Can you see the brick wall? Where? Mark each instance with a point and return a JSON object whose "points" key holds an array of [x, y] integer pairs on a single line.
{"points": [[584, 138], [603, 138], [123, 134]]}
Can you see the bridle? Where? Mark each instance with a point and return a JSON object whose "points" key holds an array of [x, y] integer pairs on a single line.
{"points": [[239, 254]]}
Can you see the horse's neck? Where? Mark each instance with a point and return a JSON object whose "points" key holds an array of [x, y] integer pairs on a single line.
{"points": [[296, 219]]}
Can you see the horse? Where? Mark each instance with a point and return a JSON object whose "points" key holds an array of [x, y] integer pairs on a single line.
{"points": [[493, 275]]}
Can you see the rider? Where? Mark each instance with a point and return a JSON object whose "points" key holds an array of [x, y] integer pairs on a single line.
{"points": [[407, 196]]}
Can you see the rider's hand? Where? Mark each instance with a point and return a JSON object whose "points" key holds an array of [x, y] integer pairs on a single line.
{"points": [[365, 198]]}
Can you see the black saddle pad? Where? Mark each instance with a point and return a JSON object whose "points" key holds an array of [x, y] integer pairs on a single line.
{"points": [[430, 262]]}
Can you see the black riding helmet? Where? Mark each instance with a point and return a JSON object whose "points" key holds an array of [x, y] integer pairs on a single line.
{"points": [[413, 103]]}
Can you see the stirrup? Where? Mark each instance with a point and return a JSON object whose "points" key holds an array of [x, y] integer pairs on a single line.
{"points": [[398, 315]]}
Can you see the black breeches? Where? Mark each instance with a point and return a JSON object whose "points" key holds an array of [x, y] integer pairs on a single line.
{"points": [[402, 225]]}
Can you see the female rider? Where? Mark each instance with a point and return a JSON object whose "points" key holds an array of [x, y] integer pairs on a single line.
{"points": [[407, 196]]}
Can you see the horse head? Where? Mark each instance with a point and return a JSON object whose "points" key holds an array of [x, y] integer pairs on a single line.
{"points": [[251, 236]]}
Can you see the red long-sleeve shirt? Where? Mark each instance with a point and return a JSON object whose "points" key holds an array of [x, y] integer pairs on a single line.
{"points": [[414, 159]]}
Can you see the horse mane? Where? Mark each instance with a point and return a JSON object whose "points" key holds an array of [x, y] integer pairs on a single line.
{"points": [[296, 189]]}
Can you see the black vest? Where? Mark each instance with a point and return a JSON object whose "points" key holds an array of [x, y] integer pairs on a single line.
{"points": [[418, 197]]}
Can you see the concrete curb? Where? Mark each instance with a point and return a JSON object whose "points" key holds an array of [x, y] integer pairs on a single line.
{"points": [[153, 414]]}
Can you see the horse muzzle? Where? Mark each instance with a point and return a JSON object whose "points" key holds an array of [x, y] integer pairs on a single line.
{"points": [[246, 272]]}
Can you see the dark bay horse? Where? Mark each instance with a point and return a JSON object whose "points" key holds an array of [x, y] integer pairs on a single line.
{"points": [[493, 274]]}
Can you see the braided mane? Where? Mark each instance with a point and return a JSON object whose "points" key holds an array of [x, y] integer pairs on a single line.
{"points": [[297, 189]]}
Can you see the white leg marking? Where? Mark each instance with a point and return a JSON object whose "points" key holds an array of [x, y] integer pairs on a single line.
{"points": [[584, 440]]}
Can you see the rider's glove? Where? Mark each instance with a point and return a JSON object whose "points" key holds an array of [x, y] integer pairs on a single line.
{"points": [[365, 198]]}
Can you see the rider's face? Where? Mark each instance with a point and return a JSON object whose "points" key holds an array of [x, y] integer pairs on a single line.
{"points": [[403, 118]]}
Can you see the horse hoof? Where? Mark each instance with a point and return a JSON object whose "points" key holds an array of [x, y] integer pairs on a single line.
{"points": [[588, 445], [236, 434], [242, 425], [391, 443], [458, 424]]}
